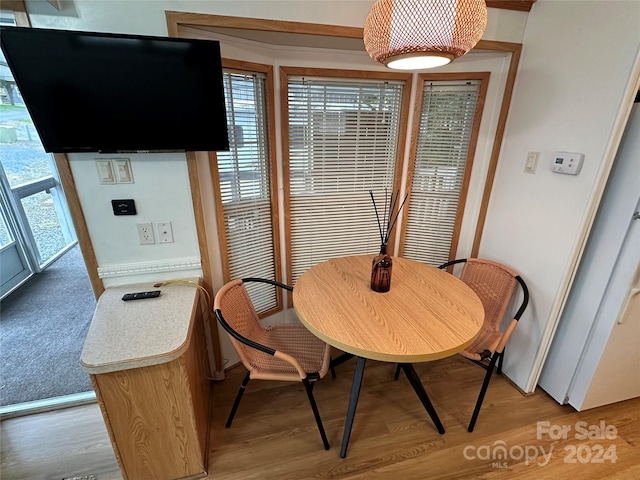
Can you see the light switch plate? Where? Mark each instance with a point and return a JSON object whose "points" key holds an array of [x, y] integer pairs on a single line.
{"points": [[122, 168], [105, 172], [532, 162]]}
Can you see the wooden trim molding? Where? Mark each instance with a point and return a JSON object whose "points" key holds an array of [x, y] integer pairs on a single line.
{"points": [[203, 245], [483, 77], [19, 9], [515, 50], [285, 73], [519, 5], [82, 232], [222, 238], [250, 67], [177, 19]]}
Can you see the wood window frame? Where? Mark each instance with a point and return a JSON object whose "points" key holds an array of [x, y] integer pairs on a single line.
{"points": [[285, 73], [483, 78], [267, 70], [19, 9]]}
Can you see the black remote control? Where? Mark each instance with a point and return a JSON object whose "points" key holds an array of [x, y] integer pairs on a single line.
{"points": [[141, 295]]}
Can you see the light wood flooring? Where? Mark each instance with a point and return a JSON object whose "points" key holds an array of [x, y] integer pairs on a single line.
{"points": [[274, 435]]}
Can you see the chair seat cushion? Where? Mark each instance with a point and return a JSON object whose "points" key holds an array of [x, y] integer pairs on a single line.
{"points": [[295, 340]]}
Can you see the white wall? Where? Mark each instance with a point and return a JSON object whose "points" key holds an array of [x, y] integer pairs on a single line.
{"points": [[161, 193], [147, 17], [577, 59]]}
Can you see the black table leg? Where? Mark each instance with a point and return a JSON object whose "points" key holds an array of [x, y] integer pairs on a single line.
{"points": [[353, 403], [339, 361], [422, 394]]}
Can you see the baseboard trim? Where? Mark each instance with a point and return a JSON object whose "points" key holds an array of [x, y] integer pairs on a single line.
{"points": [[47, 404], [126, 269]]}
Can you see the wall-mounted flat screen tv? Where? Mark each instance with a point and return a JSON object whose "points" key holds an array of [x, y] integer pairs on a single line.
{"points": [[98, 92]]}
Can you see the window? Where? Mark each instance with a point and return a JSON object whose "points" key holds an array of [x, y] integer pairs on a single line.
{"points": [[343, 138], [448, 119], [343, 135], [244, 188], [503, 66]]}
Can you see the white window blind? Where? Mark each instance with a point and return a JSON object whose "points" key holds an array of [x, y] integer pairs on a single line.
{"points": [[446, 126], [245, 187], [343, 140]]}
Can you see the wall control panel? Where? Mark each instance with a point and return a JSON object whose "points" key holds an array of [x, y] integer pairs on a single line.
{"points": [[566, 162]]}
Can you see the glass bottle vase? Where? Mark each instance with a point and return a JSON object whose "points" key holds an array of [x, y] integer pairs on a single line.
{"points": [[381, 271]]}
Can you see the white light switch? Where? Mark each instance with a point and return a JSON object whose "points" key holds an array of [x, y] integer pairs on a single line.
{"points": [[532, 162], [122, 167], [566, 162], [105, 172]]}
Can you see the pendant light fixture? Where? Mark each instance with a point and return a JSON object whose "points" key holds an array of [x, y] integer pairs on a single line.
{"points": [[417, 34]]}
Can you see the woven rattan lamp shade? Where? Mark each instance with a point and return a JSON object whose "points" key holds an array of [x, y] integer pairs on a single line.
{"points": [[415, 34]]}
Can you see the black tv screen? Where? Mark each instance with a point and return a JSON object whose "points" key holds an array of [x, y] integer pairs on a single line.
{"points": [[97, 92]]}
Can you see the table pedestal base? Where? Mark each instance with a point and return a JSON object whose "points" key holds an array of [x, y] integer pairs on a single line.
{"points": [[416, 384]]}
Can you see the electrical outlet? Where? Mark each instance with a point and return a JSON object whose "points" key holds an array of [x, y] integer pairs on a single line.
{"points": [[145, 233], [165, 234]]}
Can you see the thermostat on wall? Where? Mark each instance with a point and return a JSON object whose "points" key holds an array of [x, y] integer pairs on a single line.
{"points": [[565, 162]]}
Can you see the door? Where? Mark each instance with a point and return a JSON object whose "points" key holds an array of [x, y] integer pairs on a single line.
{"points": [[14, 268], [602, 281], [617, 374], [36, 226]]}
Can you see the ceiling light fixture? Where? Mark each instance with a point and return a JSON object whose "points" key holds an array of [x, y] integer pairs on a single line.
{"points": [[417, 34]]}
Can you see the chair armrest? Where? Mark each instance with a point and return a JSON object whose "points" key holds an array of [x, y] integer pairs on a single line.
{"points": [[452, 262], [258, 346], [525, 298], [270, 282], [525, 301], [241, 338], [289, 359], [505, 336]]}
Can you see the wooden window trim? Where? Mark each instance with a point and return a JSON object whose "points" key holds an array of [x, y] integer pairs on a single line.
{"points": [[19, 9], [483, 77], [285, 73], [251, 67]]}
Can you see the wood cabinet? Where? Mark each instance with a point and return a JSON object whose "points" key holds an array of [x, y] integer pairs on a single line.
{"points": [[147, 360]]}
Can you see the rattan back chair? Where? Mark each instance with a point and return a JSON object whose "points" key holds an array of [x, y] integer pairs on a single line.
{"points": [[495, 284], [285, 351]]}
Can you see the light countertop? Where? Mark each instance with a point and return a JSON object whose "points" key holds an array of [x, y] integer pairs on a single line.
{"points": [[139, 333]]}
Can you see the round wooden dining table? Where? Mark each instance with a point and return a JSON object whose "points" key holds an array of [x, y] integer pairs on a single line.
{"points": [[426, 315]]}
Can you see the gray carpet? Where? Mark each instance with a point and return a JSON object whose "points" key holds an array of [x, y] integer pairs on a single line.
{"points": [[43, 326]]}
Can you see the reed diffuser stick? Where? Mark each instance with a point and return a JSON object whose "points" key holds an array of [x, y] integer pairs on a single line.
{"points": [[388, 219], [393, 206], [396, 219], [377, 216]]}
